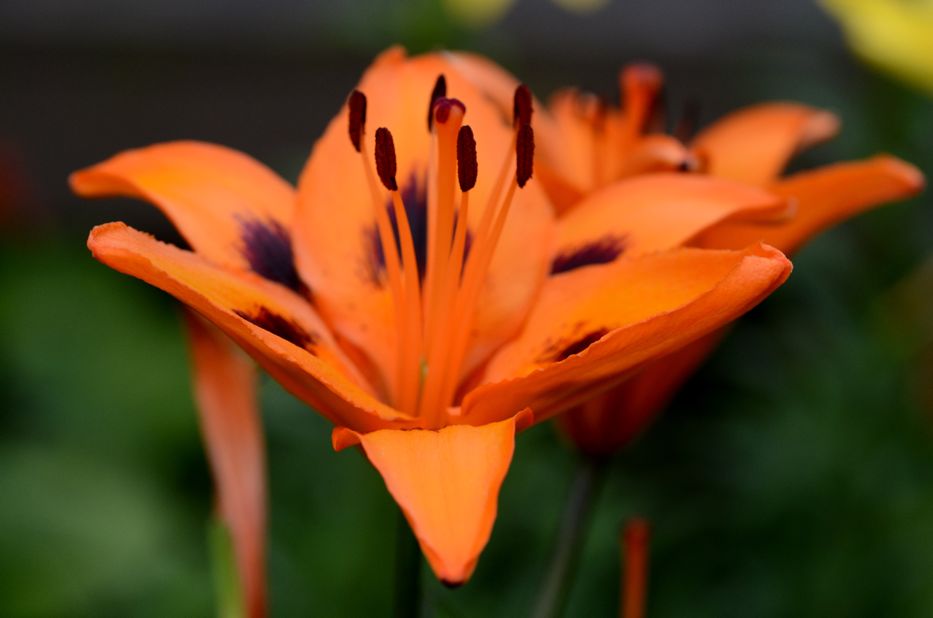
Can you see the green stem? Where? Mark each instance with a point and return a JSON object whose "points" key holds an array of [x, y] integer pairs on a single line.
{"points": [[555, 590], [407, 602]]}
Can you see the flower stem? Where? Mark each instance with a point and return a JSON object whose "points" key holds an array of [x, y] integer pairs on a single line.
{"points": [[555, 590], [407, 602]]}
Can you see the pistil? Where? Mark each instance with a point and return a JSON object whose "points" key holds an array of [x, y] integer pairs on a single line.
{"points": [[448, 116]]}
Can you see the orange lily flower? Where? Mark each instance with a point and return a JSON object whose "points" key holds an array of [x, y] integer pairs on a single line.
{"points": [[418, 303], [588, 148]]}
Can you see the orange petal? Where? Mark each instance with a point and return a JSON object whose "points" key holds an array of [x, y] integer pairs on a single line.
{"points": [[592, 326], [824, 197], [651, 213], [563, 194], [755, 143], [609, 422], [275, 326], [447, 484], [336, 219], [231, 209], [225, 392], [569, 153], [654, 153]]}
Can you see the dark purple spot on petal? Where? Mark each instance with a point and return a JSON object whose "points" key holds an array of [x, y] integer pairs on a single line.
{"points": [[580, 344], [600, 251], [280, 326], [414, 195], [267, 247]]}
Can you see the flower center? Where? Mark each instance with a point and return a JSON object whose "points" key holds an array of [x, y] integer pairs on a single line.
{"points": [[434, 317]]}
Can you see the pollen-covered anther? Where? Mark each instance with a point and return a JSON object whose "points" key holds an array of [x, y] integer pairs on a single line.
{"points": [[439, 92], [357, 118], [524, 154], [467, 167], [521, 106], [444, 107], [386, 166]]}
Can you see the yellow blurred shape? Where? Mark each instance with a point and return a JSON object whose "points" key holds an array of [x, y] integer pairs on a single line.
{"points": [[479, 13], [581, 6], [896, 35]]}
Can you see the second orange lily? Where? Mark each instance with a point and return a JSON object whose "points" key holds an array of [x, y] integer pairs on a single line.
{"points": [[613, 148]]}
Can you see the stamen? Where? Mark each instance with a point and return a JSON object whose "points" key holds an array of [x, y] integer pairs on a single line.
{"points": [[640, 85], [521, 106], [357, 125], [595, 110], [439, 91], [385, 158], [467, 297], [635, 569], [467, 167], [357, 118], [409, 347], [474, 271], [410, 358], [524, 154]]}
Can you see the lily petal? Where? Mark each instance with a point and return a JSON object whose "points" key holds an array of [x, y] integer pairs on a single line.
{"points": [[592, 328], [824, 197], [652, 213], [335, 226], [225, 391], [275, 326], [231, 209], [568, 151], [755, 143], [446, 483], [654, 153]]}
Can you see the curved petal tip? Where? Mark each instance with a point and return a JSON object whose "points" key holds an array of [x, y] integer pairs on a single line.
{"points": [[447, 484]]}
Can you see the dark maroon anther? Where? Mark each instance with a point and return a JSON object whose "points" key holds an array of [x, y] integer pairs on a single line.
{"points": [[467, 167], [524, 154], [521, 106], [385, 158], [440, 91], [357, 118]]}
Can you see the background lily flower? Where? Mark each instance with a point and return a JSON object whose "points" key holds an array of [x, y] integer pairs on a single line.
{"points": [[753, 146], [422, 318]]}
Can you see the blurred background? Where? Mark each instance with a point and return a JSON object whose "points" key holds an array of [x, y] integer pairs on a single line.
{"points": [[792, 477]]}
